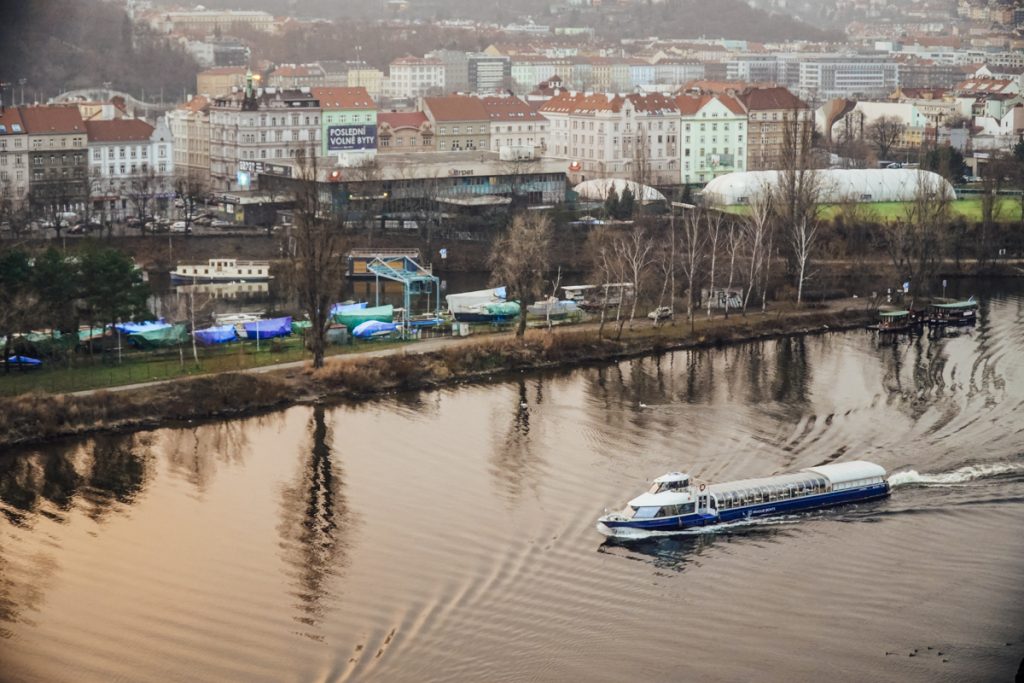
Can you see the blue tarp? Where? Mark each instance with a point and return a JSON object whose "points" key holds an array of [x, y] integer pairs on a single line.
{"points": [[147, 326], [268, 329], [218, 334], [346, 308], [24, 360], [373, 328]]}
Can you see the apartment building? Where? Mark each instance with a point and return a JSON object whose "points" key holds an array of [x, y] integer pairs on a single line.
{"points": [[407, 132], [713, 136], [460, 123], [773, 115], [349, 125], [412, 77], [256, 129], [129, 159], [297, 76], [190, 129], [517, 129], [610, 135], [14, 160], [220, 80], [57, 146]]}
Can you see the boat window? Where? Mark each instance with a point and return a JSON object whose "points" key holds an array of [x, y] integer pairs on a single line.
{"points": [[646, 512]]}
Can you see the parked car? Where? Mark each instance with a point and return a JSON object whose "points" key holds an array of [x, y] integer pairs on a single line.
{"points": [[179, 226], [660, 313], [84, 228], [220, 223]]}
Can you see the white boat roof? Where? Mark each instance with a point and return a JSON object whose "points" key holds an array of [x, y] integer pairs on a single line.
{"points": [[778, 479], [672, 476], [841, 472], [663, 498]]}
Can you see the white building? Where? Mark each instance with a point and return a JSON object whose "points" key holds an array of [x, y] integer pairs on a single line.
{"points": [[517, 129], [190, 128], [260, 130], [713, 131], [128, 157], [412, 77], [608, 135]]}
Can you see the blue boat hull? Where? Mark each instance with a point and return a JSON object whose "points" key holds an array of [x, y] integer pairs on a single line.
{"points": [[758, 510]]}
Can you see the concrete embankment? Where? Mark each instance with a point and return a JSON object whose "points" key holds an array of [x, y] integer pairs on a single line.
{"points": [[36, 418]]}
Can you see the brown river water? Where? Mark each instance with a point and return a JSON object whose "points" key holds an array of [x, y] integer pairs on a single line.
{"points": [[449, 535]]}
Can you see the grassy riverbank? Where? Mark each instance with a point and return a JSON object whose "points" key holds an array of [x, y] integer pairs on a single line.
{"points": [[35, 418]]}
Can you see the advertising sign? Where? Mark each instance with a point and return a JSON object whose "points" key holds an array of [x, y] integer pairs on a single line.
{"points": [[341, 138]]}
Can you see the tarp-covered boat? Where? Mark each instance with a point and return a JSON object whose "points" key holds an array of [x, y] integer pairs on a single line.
{"points": [[373, 328], [159, 337], [268, 329], [146, 326], [346, 307], [24, 361], [355, 317], [218, 334]]}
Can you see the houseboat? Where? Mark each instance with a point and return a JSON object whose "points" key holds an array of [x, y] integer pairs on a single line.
{"points": [[402, 260], [954, 313], [222, 270], [596, 297], [676, 503]]}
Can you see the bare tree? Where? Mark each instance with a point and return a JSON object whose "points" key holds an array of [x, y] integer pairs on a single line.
{"points": [[635, 250], [733, 241], [803, 236], [191, 188], [141, 189], [884, 134], [757, 228], [692, 239], [915, 242], [798, 184], [519, 260], [605, 266], [714, 222], [318, 259]]}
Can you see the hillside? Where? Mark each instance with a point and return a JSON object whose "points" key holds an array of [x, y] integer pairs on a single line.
{"points": [[59, 45]]}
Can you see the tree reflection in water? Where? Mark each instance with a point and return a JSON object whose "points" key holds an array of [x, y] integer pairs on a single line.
{"points": [[193, 454], [315, 521], [99, 476], [514, 464]]}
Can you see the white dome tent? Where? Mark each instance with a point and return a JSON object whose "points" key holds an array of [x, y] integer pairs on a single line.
{"points": [[597, 190], [837, 185]]}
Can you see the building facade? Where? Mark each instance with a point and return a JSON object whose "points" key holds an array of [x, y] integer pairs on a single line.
{"points": [[460, 123], [190, 129], [404, 132], [131, 166], [713, 132], [14, 161], [220, 80], [517, 129], [349, 125], [605, 135], [254, 127], [57, 145], [487, 74], [412, 77], [774, 115]]}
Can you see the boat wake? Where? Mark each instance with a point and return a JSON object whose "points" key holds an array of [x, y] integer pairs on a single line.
{"points": [[960, 475]]}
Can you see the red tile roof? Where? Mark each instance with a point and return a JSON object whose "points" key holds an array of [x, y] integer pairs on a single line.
{"points": [[567, 102], [509, 109], [402, 119], [455, 108], [344, 98], [9, 118], [119, 130], [762, 99], [691, 103], [55, 119], [197, 103]]}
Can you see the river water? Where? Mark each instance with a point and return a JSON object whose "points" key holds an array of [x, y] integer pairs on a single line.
{"points": [[449, 535]]}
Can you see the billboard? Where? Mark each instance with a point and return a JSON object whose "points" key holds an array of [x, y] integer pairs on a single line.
{"points": [[341, 138]]}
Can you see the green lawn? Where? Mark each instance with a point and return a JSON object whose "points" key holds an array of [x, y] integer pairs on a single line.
{"points": [[99, 372], [1009, 210]]}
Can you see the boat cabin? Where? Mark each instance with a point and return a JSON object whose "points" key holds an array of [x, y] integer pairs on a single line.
{"points": [[658, 505], [673, 481]]}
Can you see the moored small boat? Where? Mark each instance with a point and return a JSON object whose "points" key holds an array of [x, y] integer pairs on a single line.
{"points": [[954, 313], [898, 321], [675, 503]]}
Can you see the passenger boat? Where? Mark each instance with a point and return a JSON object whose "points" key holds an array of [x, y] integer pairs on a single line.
{"points": [[676, 503], [954, 313], [898, 321], [222, 270]]}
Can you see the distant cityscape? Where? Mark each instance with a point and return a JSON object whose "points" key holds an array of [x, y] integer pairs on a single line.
{"points": [[537, 103]]}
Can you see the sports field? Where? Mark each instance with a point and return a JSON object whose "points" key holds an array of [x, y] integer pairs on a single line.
{"points": [[1009, 210]]}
